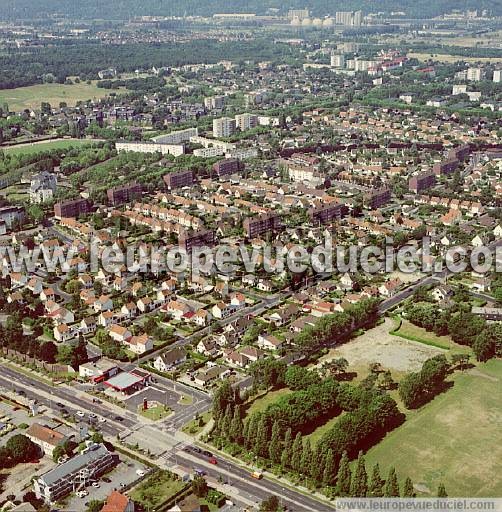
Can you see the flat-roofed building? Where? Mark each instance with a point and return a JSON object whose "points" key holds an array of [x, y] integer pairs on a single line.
{"points": [[73, 208], [124, 194], [262, 224], [422, 181], [326, 213], [179, 179], [74, 474]]}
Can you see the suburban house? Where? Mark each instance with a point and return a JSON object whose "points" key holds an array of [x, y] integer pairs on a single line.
{"points": [[139, 344], [269, 342], [45, 437], [169, 360]]}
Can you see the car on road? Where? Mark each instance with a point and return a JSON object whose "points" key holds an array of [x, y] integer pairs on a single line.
{"points": [[101, 419], [140, 472], [60, 405], [206, 453], [92, 415], [95, 484], [80, 414], [212, 460], [96, 401], [199, 471], [118, 418]]}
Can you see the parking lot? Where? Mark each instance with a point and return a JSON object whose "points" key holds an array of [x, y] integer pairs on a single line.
{"points": [[125, 474]]}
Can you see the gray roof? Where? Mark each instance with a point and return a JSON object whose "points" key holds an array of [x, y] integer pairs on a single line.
{"points": [[74, 464]]}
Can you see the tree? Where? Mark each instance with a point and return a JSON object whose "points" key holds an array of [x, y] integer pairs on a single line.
{"points": [[252, 429], [306, 459], [275, 448], [488, 342], [408, 490], [296, 457], [48, 352], [236, 426], [344, 477], [287, 451], [359, 484], [262, 437], [298, 377], [199, 486], [22, 449], [329, 473], [442, 491], [95, 505], [270, 504], [376, 484], [392, 485]]}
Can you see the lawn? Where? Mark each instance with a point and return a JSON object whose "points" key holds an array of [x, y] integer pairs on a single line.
{"points": [[320, 431], [157, 489], [451, 58], [415, 333], [454, 439], [262, 402], [193, 427], [31, 97], [156, 413], [38, 147]]}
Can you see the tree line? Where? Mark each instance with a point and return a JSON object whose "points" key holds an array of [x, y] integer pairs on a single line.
{"points": [[275, 436]]}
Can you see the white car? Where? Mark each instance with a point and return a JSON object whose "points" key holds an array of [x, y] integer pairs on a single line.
{"points": [[101, 419], [95, 484], [140, 472], [82, 494], [80, 414]]}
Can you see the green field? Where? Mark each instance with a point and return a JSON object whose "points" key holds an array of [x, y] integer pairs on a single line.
{"points": [[262, 402], [154, 491], [454, 439], [156, 413], [415, 333], [31, 97], [29, 149]]}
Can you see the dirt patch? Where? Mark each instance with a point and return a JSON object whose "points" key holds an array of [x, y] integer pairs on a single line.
{"points": [[377, 345]]}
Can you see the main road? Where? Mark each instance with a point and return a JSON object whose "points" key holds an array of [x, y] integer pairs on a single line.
{"points": [[51, 396]]}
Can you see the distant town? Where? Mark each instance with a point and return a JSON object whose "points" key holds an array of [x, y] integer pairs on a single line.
{"points": [[138, 387]]}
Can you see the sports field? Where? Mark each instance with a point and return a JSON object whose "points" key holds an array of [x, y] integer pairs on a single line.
{"points": [[31, 97], [37, 147], [454, 439]]}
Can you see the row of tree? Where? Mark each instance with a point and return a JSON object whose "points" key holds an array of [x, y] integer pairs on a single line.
{"points": [[332, 327], [275, 434], [418, 388], [462, 325]]}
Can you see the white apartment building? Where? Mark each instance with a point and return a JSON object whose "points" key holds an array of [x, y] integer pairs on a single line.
{"points": [[474, 74], [223, 127], [338, 60], [214, 102], [150, 147], [246, 121], [497, 76], [177, 137]]}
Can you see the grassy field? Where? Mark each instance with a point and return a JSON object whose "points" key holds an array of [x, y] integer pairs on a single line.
{"points": [[29, 149], [410, 331], [451, 58], [262, 402], [156, 490], [454, 439], [193, 427], [320, 431], [156, 413], [31, 97]]}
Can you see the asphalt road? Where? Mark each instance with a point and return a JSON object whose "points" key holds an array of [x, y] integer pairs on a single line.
{"points": [[12, 380]]}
